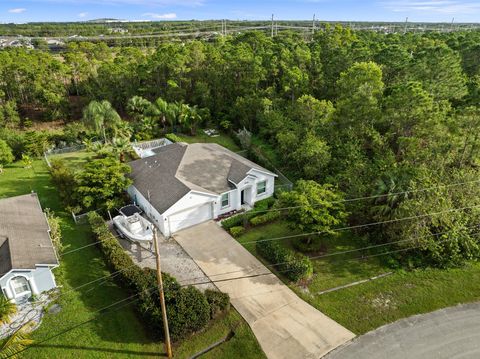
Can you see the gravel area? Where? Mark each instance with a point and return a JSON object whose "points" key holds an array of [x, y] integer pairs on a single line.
{"points": [[28, 312], [174, 261]]}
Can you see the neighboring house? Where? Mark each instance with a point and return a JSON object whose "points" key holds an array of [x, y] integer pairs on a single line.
{"points": [[183, 185], [27, 255]]}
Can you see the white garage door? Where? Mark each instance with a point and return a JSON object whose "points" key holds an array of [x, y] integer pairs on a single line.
{"points": [[190, 217]]}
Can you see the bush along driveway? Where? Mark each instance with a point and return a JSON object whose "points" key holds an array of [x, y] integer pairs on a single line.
{"points": [[285, 326]]}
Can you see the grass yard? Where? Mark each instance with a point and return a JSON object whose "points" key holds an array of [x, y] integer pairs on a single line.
{"points": [[221, 139], [119, 333], [367, 306], [74, 160]]}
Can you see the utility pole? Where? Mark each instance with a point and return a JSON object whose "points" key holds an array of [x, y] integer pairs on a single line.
{"points": [[272, 26], [313, 25], [225, 27], [168, 345], [405, 29], [452, 26]]}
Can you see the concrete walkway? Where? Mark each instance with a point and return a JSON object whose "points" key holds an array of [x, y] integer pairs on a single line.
{"points": [[444, 334], [285, 326]]}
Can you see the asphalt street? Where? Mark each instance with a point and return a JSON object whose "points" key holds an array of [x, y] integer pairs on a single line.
{"points": [[451, 333]]}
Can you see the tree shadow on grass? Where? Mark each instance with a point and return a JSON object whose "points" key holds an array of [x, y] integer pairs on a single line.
{"points": [[82, 348]]}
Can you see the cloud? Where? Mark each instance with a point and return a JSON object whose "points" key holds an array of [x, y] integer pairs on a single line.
{"points": [[17, 10], [83, 14], [451, 7], [168, 16]]}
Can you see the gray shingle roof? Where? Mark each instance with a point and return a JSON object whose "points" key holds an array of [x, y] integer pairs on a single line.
{"points": [[24, 238], [178, 168], [156, 175]]}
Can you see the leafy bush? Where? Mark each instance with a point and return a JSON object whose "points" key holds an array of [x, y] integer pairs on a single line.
{"points": [[294, 266], [6, 155], [55, 230], [264, 204], [239, 220], [265, 218], [237, 231], [234, 221], [173, 137], [64, 179], [188, 309], [219, 302], [188, 312]]}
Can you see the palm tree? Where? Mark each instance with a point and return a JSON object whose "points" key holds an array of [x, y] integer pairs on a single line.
{"points": [[7, 309], [160, 108], [138, 106], [11, 346], [120, 146], [189, 117], [101, 116], [173, 114]]}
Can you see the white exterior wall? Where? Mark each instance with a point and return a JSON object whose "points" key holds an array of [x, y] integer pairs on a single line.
{"points": [[193, 199], [149, 210], [40, 280], [233, 203]]}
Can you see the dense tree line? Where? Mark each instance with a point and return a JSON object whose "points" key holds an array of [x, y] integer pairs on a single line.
{"points": [[369, 113]]}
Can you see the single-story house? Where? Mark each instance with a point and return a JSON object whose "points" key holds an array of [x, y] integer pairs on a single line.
{"points": [[27, 255], [185, 184]]}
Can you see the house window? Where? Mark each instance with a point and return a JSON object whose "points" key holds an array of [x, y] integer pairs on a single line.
{"points": [[261, 187], [225, 200], [20, 285]]}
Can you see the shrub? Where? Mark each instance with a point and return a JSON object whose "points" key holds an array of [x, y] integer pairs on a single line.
{"points": [[264, 204], [219, 302], [294, 266], [173, 137], [188, 312], [64, 179], [234, 221], [237, 231], [55, 230], [6, 155], [265, 218], [188, 309]]}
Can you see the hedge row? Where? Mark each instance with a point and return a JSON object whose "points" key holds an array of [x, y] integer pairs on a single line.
{"points": [[265, 218], [239, 220], [173, 137], [294, 266], [188, 309]]}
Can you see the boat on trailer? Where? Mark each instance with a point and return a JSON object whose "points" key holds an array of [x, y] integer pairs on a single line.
{"points": [[131, 225]]}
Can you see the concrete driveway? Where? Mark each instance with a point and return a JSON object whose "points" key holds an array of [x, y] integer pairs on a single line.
{"points": [[447, 333], [285, 326]]}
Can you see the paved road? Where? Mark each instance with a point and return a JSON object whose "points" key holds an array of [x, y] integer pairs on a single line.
{"points": [[450, 333], [284, 325]]}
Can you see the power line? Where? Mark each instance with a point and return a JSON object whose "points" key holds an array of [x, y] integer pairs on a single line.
{"points": [[100, 311], [363, 225], [355, 199], [289, 270], [339, 253]]}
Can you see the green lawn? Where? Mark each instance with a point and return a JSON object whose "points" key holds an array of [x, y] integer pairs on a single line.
{"points": [[74, 160], [221, 139], [120, 333], [367, 306]]}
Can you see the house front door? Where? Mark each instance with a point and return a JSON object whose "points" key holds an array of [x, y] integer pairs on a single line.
{"points": [[242, 197]]}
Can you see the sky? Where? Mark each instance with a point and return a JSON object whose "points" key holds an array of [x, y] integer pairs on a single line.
{"points": [[20, 11]]}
